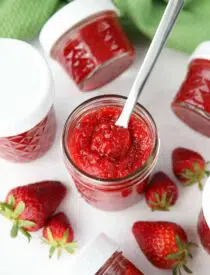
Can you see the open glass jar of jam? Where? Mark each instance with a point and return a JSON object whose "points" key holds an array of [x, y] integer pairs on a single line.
{"points": [[88, 41], [110, 165], [103, 257], [27, 117], [192, 103]]}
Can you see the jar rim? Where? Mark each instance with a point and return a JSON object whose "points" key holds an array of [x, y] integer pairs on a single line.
{"points": [[141, 171]]}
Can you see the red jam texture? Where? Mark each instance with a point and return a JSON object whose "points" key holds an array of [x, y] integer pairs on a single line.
{"points": [[192, 103], [32, 144], [94, 52], [119, 265], [105, 151], [204, 232]]}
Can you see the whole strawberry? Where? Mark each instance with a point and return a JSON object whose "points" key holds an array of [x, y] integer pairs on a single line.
{"points": [[29, 206], [164, 244], [59, 235], [161, 193], [189, 167]]}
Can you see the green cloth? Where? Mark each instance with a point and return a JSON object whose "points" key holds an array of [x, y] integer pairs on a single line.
{"points": [[193, 25], [23, 19]]}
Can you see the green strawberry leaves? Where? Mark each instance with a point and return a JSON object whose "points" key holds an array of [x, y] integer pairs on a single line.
{"points": [[13, 213], [181, 256], [59, 245], [195, 175], [161, 203]]}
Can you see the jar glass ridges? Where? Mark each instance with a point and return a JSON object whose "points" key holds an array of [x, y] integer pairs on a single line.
{"points": [[27, 117], [92, 47]]}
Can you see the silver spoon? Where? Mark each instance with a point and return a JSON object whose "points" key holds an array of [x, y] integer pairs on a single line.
{"points": [[168, 20]]}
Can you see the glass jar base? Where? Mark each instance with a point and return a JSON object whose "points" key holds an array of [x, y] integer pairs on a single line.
{"points": [[107, 72], [193, 118]]}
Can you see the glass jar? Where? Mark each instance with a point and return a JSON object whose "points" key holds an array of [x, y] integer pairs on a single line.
{"points": [[88, 42], [203, 226], [27, 117], [110, 194], [192, 103], [102, 257]]}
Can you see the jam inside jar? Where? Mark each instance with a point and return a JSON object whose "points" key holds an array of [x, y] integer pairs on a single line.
{"points": [[92, 47], [32, 144], [204, 232], [203, 226], [94, 52], [192, 103], [118, 265], [107, 178], [27, 116]]}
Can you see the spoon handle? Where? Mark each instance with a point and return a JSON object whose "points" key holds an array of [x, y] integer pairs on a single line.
{"points": [[168, 20]]}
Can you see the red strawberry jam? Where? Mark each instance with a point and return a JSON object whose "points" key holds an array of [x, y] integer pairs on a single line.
{"points": [[32, 144], [192, 103], [204, 232], [204, 218], [91, 47], [104, 150], [111, 158], [119, 265]]}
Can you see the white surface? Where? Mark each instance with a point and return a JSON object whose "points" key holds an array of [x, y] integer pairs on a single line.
{"points": [[94, 255], [67, 17], [26, 92], [201, 52], [19, 257]]}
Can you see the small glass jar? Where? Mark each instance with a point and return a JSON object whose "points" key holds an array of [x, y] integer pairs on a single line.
{"points": [[110, 194], [103, 257], [192, 103], [27, 117], [88, 42], [203, 226]]}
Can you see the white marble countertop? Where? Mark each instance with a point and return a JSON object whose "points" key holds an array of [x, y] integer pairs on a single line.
{"points": [[19, 257]]}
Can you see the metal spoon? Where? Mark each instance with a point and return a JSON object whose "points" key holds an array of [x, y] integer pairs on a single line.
{"points": [[168, 20]]}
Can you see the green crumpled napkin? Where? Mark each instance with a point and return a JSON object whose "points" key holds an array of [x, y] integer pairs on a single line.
{"points": [[23, 19], [193, 25]]}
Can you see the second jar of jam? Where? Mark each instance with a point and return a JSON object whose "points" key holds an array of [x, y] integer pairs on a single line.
{"points": [[109, 164], [87, 40], [103, 257], [192, 103], [204, 218], [27, 117]]}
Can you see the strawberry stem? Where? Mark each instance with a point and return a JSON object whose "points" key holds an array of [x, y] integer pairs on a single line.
{"points": [[59, 245], [181, 257], [13, 213], [162, 203]]}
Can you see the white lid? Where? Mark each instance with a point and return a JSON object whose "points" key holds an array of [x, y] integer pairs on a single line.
{"points": [[25, 88], [206, 201], [68, 16], [201, 52], [93, 256]]}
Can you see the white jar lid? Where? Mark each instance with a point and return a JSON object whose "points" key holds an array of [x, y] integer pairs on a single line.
{"points": [[93, 256], [206, 201], [201, 52], [26, 93], [69, 16]]}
